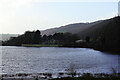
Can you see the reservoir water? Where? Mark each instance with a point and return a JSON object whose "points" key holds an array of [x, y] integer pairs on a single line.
{"points": [[55, 60]]}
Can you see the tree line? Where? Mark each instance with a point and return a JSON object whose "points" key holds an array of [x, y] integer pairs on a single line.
{"points": [[35, 37]]}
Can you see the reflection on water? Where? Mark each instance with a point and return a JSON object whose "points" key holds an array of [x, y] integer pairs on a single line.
{"points": [[54, 60]]}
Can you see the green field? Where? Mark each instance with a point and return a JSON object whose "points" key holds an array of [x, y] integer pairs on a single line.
{"points": [[38, 45]]}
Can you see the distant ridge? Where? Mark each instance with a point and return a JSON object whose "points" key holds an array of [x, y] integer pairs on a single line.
{"points": [[4, 37], [72, 28]]}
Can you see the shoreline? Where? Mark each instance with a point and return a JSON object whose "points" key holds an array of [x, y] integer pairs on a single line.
{"points": [[59, 46], [55, 76]]}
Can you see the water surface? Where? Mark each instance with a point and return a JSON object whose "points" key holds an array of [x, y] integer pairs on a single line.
{"points": [[55, 60]]}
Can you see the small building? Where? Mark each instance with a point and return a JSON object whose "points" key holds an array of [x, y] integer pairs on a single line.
{"points": [[80, 41]]}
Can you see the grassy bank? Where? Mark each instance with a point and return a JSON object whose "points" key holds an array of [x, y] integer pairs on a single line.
{"points": [[38, 45]]}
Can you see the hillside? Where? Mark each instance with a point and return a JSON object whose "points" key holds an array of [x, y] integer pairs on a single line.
{"points": [[72, 28], [4, 37], [105, 33], [101, 28]]}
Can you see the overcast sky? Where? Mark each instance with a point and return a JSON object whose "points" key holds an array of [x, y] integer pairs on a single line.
{"points": [[18, 16]]}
